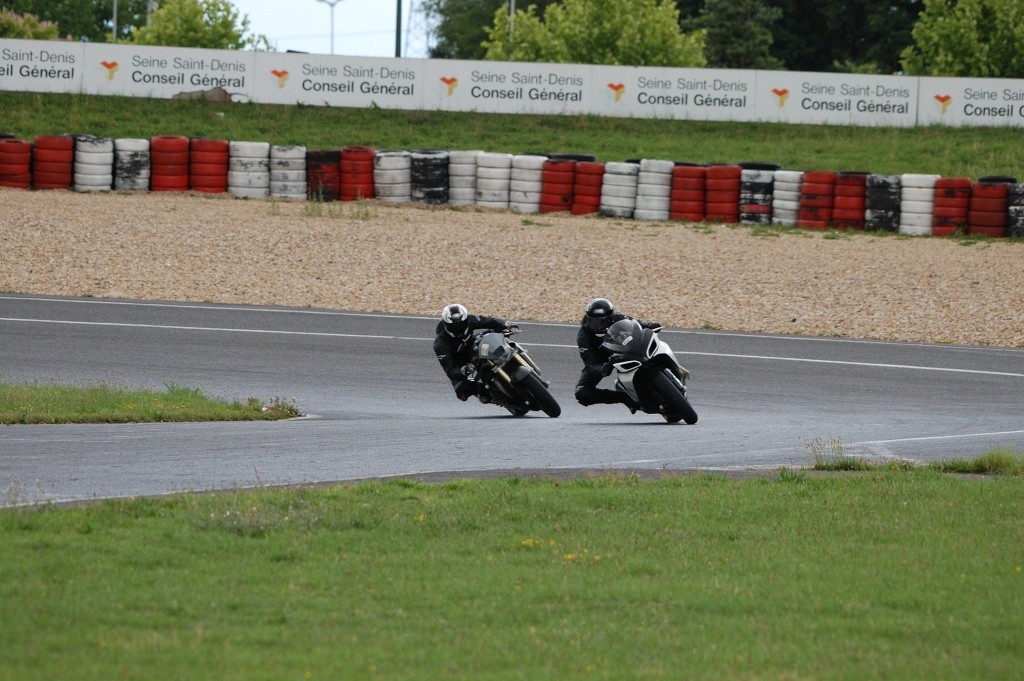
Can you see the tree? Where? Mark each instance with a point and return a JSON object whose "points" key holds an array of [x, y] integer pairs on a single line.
{"points": [[739, 33], [26, 27], [633, 32], [843, 35], [462, 25], [972, 38], [198, 23]]}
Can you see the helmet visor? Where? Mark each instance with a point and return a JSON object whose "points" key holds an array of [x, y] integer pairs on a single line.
{"points": [[457, 329], [598, 324]]}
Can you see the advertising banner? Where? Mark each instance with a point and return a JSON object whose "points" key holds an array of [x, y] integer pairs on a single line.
{"points": [[319, 80], [683, 94], [166, 72], [41, 66], [971, 102], [507, 87], [836, 99]]}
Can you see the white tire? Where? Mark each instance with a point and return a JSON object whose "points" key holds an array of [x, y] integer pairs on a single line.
{"points": [[131, 144], [287, 175], [483, 184], [249, 149], [786, 195], [93, 182], [248, 179], [287, 164], [643, 214], [392, 160], [778, 186], [659, 179], [615, 190], [493, 160], [614, 180], [656, 190], [131, 185], [462, 170], [487, 173], [619, 202], [919, 207], [464, 157], [95, 157], [656, 166], [287, 188], [293, 152], [393, 190], [249, 192], [525, 186], [462, 194], [94, 145], [248, 165], [751, 175], [93, 169], [492, 204], [791, 176], [914, 180], [918, 194], [524, 197], [461, 182], [782, 204], [529, 162], [617, 168], [615, 212], [524, 207], [524, 175], [656, 204], [392, 176], [491, 196]]}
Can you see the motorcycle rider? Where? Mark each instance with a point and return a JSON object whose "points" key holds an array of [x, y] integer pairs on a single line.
{"points": [[454, 348], [598, 316]]}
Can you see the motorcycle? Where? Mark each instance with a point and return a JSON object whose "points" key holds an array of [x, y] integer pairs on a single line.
{"points": [[647, 370], [510, 377]]}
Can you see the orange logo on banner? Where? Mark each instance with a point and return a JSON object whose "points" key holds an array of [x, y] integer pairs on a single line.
{"points": [[282, 78], [944, 102], [452, 83], [618, 89], [782, 94], [111, 67]]}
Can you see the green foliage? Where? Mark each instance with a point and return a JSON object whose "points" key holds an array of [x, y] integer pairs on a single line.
{"points": [[996, 462], [630, 32], [461, 25], [212, 24], [739, 33], [26, 27], [969, 38]]}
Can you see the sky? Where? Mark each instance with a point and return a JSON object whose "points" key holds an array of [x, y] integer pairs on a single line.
{"points": [[362, 28]]}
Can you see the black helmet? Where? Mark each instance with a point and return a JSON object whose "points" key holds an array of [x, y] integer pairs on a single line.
{"points": [[455, 319], [598, 315]]}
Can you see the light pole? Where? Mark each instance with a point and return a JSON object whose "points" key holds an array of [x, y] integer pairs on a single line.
{"points": [[332, 3], [114, 35]]}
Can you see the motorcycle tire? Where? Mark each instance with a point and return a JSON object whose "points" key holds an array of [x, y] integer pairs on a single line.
{"points": [[540, 396], [677, 407]]}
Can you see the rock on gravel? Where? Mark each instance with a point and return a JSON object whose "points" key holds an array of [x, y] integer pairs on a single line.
{"points": [[414, 259]]}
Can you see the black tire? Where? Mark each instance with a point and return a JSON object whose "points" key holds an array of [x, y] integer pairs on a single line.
{"points": [[677, 407], [540, 396]]}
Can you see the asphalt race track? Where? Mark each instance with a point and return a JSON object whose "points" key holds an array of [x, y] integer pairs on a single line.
{"points": [[379, 405]]}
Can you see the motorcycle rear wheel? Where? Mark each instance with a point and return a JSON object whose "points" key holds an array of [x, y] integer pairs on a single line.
{"points": [[540, 396], [677, 407]]}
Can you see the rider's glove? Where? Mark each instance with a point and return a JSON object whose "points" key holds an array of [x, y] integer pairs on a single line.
{"points": [[468, 369], [607, 368], [512, 328]]}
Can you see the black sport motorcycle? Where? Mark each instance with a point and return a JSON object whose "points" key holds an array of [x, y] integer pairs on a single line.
{"points": [[647, 370], [510, 378]]}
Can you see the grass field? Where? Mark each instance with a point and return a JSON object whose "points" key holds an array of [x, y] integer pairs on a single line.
{"points": [[951, 152], [898, 575]]}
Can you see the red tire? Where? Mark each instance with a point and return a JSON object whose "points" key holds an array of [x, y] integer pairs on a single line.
{"points": [[947, 212], [848, 203], [722, 185], [689, 183], [588, 180], [208, 170], [168, 158], [589, 168], [820, 177], [978, 218], [202, 144], [65, 156], [212, 157], [698, 195], [169, 171], [557, 177], [61, 179], [585, 190], [168, 183], [168, 143], [357, 152], [988, 205], [583, 209], [723, 172], [990, 191], [55, 142], [689, 172]]}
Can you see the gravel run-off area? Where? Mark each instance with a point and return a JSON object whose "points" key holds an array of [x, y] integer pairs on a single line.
{"points": [[414, 259]]}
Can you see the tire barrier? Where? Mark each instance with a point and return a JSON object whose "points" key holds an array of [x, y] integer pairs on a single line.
{"points": [[586, 189], [208, 165], [462, 177], [952, 201], [643, 189], [618, 189], [689, 192], [817, 195], [288, 172], [53, 161], [757, 189], [786, 185], [1015, 211], [722, 193], [654, 189], [428, 170], [526, 183], [882, 203], [493, 179], [392, 176], [131, 164], [323, 174], [558, 185], [357, 172], [849, 203], [94, 164], [917, 203], [15, 163], [249, 170], [989, 208], [168, 162]]}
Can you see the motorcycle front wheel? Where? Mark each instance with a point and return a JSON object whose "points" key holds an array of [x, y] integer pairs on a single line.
{"points": [[677, 407], [539, 395]]}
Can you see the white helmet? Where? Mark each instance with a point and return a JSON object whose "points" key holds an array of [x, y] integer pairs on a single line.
{"points": [[455, 319]]}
